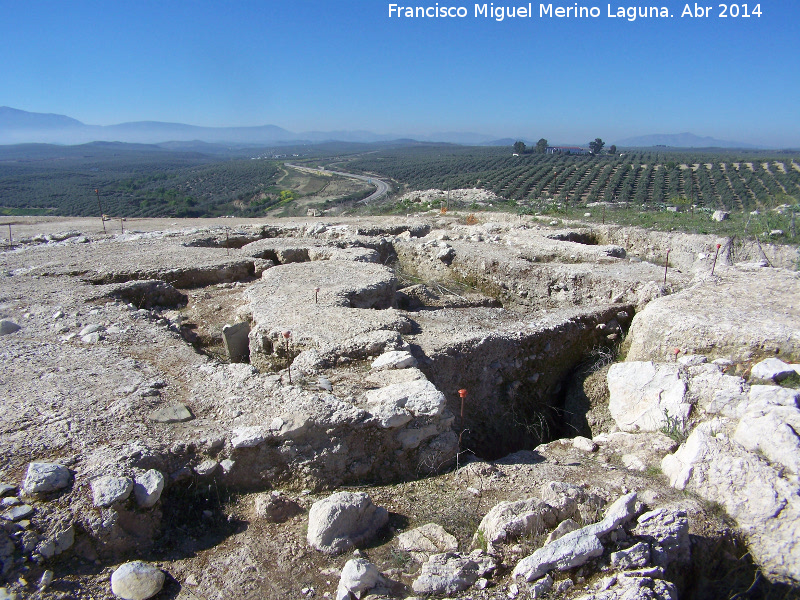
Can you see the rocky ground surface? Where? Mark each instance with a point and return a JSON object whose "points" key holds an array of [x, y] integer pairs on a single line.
{"points": [[392, 408]]}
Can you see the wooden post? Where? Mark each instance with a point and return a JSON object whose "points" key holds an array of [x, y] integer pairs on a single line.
{"points": [[714, 266], [11, 240], [100, 206], [286, 336], [666, 267]]}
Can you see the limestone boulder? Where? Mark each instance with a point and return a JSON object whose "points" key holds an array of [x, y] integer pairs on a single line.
{"points": [[764, 504], [452, 572], [108, 490], [427, 540], [635, 557], [642, 395], [578, 547], [136, 580], [666, 529], [772, 431], [510, 520], [396, 404], [772, 368], [343, 520], [358, 577], [739, 316], [715, 392], [147, 487], [45, 477]]}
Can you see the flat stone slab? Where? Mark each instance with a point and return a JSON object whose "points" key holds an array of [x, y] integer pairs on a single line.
{"points": [[17, 513], [737, 316], [7, 327], [177, 413]]}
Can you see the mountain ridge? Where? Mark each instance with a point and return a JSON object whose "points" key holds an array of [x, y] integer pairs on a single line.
{"points": [[22, 127], [681, 140]]}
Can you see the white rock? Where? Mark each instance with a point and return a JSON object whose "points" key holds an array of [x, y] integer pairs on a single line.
{"points": [[107, 490], [510, 520], [207, 467], [227, 465], [635, 557], [578, 547], [633, 462], [7, 595], [720, 215], [690, 360], [572, 550], [426, 540], [641, 392], [450, 573], [540, 587], [771, 368], [412, 438], [45, 477], [567, 500], [395, 405], [566, 526], [764, 504], [396, 359], [774, 433], [46, 579], [89, 329], [343, 520], [358, 576], [762, 395], [136, 580], [667, 531], [585, 444], [147, 487], [249, 437]]}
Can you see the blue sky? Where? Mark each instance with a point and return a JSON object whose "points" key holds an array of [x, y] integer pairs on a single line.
{"points": [[327, 65]]}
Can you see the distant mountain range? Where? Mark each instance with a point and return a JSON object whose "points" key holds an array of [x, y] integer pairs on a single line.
{"points": [[22, 127], [681, 140]]}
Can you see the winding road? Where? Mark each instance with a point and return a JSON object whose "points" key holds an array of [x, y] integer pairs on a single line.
{"points": [[382, 186]]}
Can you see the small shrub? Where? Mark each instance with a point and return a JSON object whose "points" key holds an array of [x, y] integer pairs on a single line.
{"points": [[399, 559], [653, 471], [675, 428], [480, 540]]}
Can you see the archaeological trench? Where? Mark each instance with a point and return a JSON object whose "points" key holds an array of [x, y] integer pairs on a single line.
{"points": [[397, 407]]}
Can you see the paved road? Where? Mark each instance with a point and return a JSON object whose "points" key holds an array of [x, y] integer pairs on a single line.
{"points": [[382, 186]]}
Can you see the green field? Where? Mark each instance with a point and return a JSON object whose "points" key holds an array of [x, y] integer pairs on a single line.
{"points": [[152, 181], [203, 180], [744, 181]]}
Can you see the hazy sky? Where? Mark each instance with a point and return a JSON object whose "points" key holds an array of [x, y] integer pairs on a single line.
{"points": [[345, 64]]}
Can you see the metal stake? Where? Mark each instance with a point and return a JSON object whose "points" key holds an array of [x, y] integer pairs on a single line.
{"points": [[666, 267], [11, 240]]}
